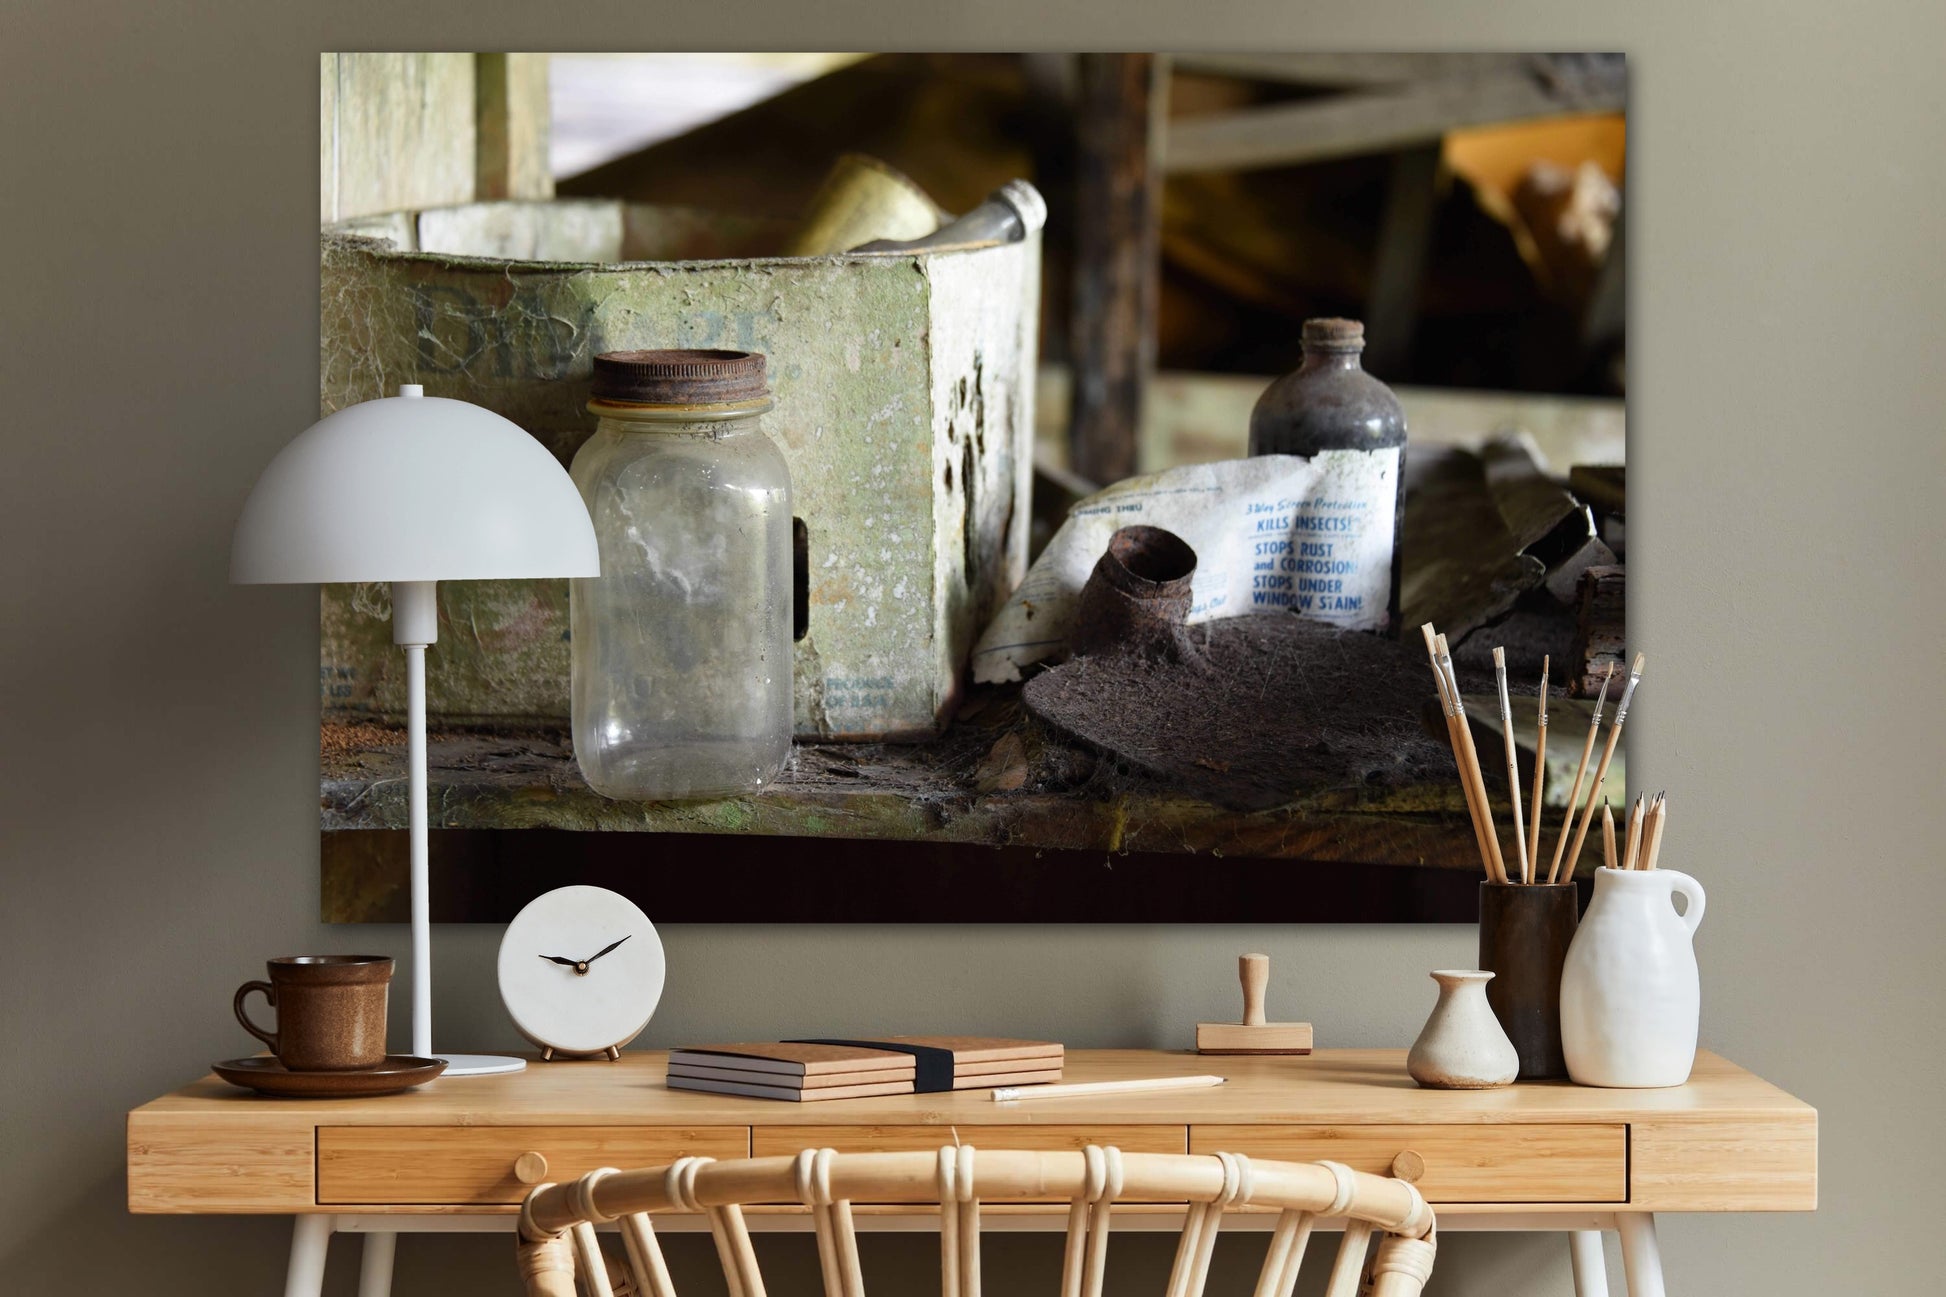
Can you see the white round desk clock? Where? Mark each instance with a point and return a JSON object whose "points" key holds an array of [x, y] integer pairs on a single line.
{"points": [[581, 971]]}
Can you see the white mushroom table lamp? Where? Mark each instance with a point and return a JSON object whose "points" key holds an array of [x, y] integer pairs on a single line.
{"points": [[415, 490]]}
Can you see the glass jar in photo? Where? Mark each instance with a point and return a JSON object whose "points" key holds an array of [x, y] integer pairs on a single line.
{"points": [[682, 646]]}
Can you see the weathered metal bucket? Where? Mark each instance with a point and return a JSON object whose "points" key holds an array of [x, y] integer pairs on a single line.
{"points": [[904, 390]]}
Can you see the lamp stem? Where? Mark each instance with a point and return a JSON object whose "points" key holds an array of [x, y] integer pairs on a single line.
{"points": [[415, 683], [415, 627]]}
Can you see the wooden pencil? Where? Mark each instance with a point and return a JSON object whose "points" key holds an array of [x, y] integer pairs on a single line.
{"points": [[1513, 763], [1607, 836], [1631, 852], [1607, 755], [1658, 819], [1074, 1089], [1580, 773], [1449, 705], [1470, 768], [1540, 775]]}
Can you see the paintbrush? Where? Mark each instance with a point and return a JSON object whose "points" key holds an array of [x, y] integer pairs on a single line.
{"points": [[1513, 763], [1580, 771], [1631, 852], [1607, 836], [1607, 755], [1540, 774], [1455, 719], [1470, 768]]}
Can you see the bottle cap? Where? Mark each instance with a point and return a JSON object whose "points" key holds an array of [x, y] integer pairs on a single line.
{"points": [[1333, 335], [679, 377]]}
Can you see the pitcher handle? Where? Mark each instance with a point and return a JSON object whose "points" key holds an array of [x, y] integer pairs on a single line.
{"points": [[1692, 891]]}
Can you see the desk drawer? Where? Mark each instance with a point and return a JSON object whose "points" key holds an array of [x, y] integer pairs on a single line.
{"points": [[475, 1164], [1463, 1163], [782, 1141]]}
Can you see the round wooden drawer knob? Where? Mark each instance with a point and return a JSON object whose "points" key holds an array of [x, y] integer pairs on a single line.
{"points": [[1408, 1166], [530, 1168]]}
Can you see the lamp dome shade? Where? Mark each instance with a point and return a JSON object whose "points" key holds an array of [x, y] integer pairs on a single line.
{"points": [[412, 488]]}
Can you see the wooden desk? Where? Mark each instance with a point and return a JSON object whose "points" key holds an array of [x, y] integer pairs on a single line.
{"points": [[1540, 1156]]}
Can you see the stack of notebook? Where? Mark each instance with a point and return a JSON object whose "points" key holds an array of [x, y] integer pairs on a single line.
{"points": [[803, 1071]]}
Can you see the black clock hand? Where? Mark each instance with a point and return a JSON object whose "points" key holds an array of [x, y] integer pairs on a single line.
{"points": [[604, 950], [556, 959]]}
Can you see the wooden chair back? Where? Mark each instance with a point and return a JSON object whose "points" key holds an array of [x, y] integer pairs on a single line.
{"points": [[557, 1221]]}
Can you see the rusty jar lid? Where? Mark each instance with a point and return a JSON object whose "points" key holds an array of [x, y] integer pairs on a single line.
{"points": [[680, 377]]}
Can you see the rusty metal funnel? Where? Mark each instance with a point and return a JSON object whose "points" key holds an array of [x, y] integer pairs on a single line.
{"points": [[1137, 598]]}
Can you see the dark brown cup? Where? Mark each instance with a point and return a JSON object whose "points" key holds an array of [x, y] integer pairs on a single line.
{"points": [[1525, 929], [330, 1011]]}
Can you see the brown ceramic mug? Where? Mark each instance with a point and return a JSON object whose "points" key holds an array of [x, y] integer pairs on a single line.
{"points": [[330, 1011]]}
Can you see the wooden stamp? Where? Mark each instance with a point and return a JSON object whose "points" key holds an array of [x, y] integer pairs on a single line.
{"points": [[1253, 1035]]}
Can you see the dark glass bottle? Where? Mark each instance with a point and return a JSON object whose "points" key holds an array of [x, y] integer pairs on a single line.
{"points": [[1346, 536]]}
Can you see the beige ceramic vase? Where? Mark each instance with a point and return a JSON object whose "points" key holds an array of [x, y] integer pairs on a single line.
{"points": [[1462, 1046]]}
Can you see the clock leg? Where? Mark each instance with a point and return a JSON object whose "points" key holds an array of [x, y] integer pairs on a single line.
{"points": [[614, 1054], [375, 1265], [310, 1240], [547, 1054]]}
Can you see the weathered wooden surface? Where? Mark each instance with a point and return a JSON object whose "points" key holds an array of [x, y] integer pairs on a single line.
{"points": [[1567, 723], [1381, 119], [1117, 271], [904, 389], [511, 127], [987, 781], [1463, 568], [1604, 486], [1545, 519], [1192, 418], [1399, 264], [1600, 627], [1532, 504], [1352, 68], [397, 130]]}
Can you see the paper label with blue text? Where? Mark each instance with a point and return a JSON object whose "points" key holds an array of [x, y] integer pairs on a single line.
{"points": [[1272, 534]]}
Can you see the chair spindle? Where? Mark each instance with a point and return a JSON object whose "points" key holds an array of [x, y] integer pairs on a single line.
{"points": [[553, 1253]]}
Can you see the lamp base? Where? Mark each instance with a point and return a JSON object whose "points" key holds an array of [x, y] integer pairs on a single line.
{"points": [[479, 1064]]}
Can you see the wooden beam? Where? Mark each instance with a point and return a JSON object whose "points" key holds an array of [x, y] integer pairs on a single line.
{"points": [[327, 137], [399, 132], [1351, 69], [1606, 317], [511, 131], [1399, 266], [1380, 121], [1117, 261]]}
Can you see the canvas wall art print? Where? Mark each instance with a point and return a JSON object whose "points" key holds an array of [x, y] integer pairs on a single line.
{"points": [[1014, 311]]}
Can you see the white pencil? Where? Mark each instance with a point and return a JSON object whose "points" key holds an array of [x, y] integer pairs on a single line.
{"points": [[1008, 1093]]}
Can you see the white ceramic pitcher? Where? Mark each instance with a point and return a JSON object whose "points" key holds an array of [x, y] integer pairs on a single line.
{"points": [[1630, 997]]}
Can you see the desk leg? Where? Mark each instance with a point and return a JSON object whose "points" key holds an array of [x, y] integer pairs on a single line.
{"points": [[1641, 1257], [310, 1239], [375, 1265], [1590, 1267]]}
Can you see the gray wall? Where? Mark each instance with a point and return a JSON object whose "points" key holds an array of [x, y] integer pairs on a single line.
{"points": [[157, 814]]}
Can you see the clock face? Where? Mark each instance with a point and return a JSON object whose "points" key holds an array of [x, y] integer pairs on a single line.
{"points": [[581, 970]]}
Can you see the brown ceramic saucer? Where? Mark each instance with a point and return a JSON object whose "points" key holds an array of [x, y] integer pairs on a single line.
{"points": [[266, 1075]]}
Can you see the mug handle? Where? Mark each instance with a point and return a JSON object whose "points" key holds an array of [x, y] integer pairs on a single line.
{"points": [[270, 994], [1692, 892]]}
